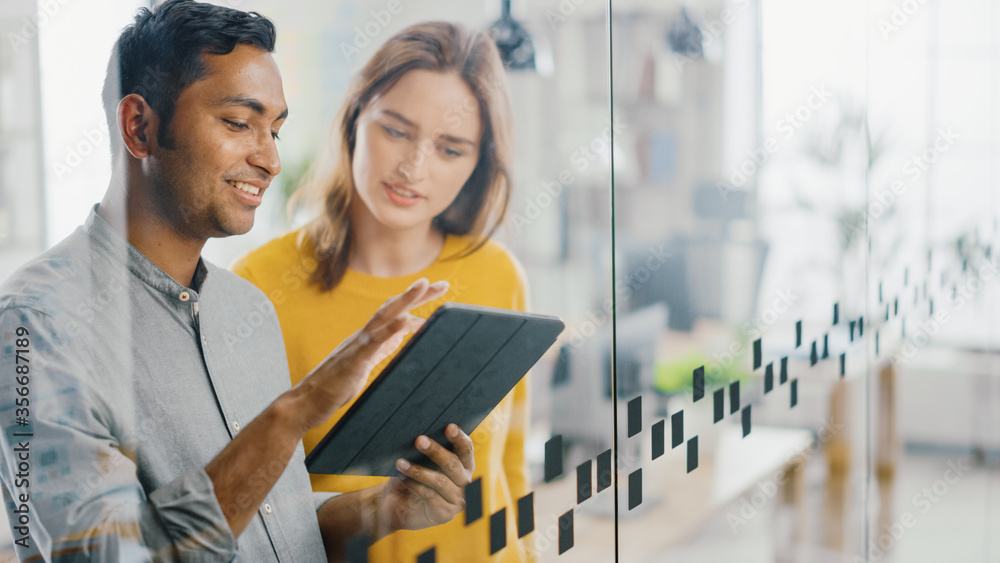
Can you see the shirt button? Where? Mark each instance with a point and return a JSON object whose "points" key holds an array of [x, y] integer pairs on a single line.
{"points": [[184, 296], [267, 508], [236, 426]]}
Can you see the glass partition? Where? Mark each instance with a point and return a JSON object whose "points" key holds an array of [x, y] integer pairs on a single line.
{"points": [[770, 227]]}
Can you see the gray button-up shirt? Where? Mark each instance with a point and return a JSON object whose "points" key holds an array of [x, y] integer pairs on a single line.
{"points": [[129, 384]]}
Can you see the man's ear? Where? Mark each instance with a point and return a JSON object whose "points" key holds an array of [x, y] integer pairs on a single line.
{"points": [[137, 124]]}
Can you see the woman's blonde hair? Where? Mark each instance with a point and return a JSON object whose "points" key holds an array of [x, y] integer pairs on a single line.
{"points": [[480, 206]]}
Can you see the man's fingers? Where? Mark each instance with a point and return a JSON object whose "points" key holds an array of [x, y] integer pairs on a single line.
{"points": [[463, 447], [434, 291], [419, 293]]}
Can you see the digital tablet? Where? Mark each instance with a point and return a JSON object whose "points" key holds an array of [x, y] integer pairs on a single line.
{"points": [[455, 369]]}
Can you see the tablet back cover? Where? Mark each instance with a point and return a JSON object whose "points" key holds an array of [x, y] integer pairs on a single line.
{"points": [[457, 368]]}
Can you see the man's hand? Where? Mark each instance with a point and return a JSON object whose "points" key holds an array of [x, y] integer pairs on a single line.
{"points": [[419, 497], [342, 375]]}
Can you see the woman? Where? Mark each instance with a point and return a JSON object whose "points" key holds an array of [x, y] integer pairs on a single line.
{"points": [[419, 183]]}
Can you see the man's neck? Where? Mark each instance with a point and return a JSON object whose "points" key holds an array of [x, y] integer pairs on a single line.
{"points": [[151, 235]]}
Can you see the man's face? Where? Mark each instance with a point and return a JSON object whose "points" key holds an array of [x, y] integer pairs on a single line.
{"points": [[224, 130]]}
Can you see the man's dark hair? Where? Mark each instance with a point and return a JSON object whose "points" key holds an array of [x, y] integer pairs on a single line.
{"points": [[159, 55]]}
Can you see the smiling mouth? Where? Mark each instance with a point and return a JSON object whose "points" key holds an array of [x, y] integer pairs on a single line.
{"points": [[244, 187], [403, 192]]}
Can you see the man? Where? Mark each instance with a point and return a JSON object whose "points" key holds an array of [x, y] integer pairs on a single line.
{"points": [[145, 400]]}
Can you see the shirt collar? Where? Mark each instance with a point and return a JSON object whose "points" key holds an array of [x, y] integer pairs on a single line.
{"points": [[140, 266]]}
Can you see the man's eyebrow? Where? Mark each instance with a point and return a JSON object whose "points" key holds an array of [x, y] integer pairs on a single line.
{"points": [[250, 103]]}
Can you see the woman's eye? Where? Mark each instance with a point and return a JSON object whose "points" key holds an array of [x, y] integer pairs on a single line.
{"points": [[393, 132], [452, 152]]}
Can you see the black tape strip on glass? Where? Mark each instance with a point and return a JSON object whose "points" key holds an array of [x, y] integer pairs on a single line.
{"points": [[356, 550], [734, 397], [525, 515], [795, 392], [698, 383], [843, 364], [566, 532], [659, 439], [720, 400], [813, 356], [692, 454], [758, 356], [876, 343], [553, 458], [906, 277], [603, 470], [880, 292], [888, 309], [769, 378], [895, 307], [932, 307], [902, 328], [677, 429], [635, 489], [746, 421], [584, 481], [498, 530], [861, 326], [853, 325], [836, 313], [798, 333], [784, 370], [635, 416], [473, 501], [428, 556], [826, 346]]}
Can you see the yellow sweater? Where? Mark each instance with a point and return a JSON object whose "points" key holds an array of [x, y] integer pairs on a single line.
{"points": [[314, 322]]}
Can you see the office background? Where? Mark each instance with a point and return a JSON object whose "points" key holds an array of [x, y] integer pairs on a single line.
{"points": [[789, 205]]}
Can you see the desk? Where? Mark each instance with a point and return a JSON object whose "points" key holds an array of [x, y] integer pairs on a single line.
{"points": [[675, 503]]}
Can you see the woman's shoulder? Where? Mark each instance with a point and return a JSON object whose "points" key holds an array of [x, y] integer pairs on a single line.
{"points": [[277, 255]]}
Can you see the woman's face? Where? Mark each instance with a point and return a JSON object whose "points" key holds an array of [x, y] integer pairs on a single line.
{"points": [[416, 146]]}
